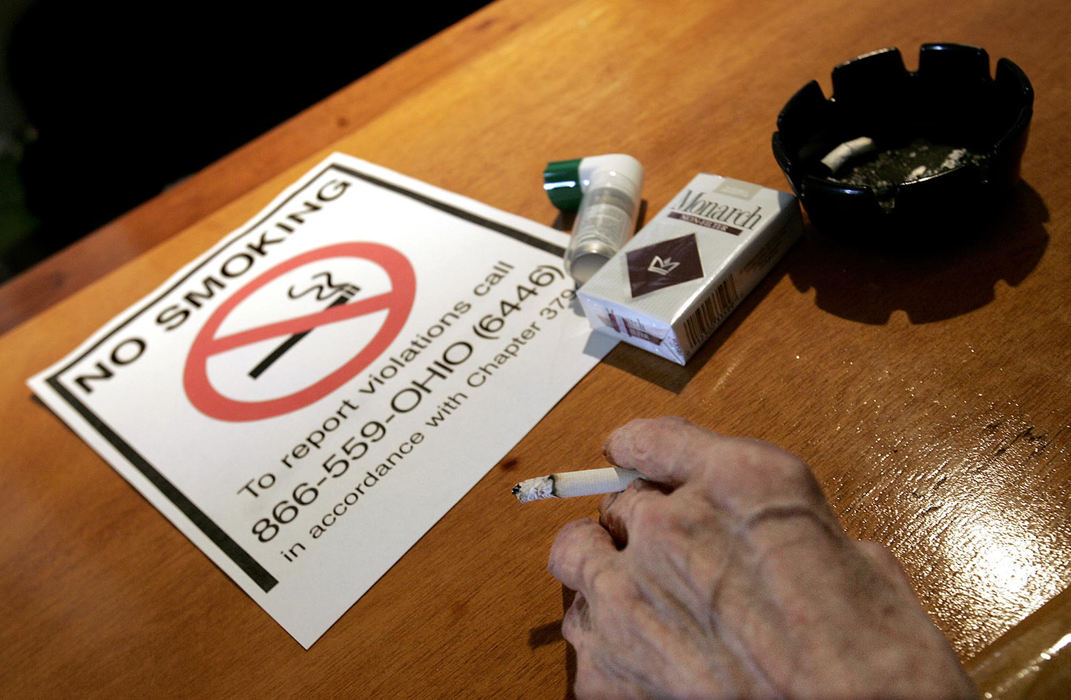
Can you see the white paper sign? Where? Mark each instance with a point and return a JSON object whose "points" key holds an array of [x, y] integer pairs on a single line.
{"points": [[312, 394]]}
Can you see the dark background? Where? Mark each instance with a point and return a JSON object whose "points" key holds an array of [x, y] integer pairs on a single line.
{"points": [[105, 104]]}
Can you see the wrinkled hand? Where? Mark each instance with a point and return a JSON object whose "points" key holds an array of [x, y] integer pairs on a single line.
{"points": [[725, 573]]}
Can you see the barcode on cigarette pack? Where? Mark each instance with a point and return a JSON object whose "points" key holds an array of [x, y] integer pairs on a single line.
{"points": [[711, 312]]}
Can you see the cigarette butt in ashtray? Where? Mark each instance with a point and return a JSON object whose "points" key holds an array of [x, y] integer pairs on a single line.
{"points": [[846, 151], [587, 482]]}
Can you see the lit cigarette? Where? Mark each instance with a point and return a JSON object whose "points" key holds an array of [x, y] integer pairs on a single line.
{"points": [[588, 482], [849, 149]]}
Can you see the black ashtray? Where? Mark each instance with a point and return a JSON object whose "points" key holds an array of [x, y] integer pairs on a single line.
{"points": [[896, 156]]}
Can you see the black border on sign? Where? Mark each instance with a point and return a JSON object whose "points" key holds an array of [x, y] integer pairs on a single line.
{"points": [[206, 525]]}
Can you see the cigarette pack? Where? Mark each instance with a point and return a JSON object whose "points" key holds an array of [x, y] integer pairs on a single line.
{"points": [[677, 279]]}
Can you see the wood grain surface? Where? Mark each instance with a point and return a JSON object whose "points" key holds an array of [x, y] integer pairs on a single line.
{"points": [[929, 394]]}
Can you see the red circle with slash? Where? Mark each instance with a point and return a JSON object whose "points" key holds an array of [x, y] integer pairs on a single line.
{"points": [[398, 302]]}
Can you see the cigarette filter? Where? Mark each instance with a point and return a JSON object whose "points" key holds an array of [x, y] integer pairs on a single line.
{"points": [[847, 150]]}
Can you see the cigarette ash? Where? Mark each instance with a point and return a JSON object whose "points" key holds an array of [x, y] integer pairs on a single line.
{"points": [[883, 169], [535, 489]]}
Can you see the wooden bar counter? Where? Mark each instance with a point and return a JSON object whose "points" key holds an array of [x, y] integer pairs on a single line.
{"points": [[931, 395]]}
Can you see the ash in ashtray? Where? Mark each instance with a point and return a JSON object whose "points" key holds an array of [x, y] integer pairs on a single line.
{"points": [[881, 169]]}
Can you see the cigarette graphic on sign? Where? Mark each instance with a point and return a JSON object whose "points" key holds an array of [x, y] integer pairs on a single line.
{"points": [[344, 292], [398, 302]]}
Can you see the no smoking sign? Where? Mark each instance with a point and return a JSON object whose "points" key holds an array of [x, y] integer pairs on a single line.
{"points": [[202, 393], [375, 317]]}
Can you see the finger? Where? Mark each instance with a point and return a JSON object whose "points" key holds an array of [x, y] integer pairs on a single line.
{"points": [[576, 621], [591, 682], [672, 544], [887, 565], [581, 551], [738, 474], [617, 509], [668, 450]]}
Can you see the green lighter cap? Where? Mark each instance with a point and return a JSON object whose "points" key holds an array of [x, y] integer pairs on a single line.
{"points": [[561, 182]]}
